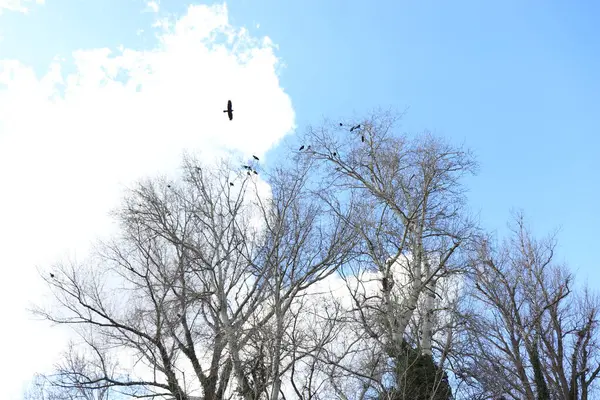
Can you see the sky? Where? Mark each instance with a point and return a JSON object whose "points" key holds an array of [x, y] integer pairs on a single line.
{"points": [[94, 95]]}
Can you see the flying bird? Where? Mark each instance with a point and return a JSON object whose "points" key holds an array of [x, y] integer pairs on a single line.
{"points": [[301, 148], [229, 110], [355, 127], [256, 158]]}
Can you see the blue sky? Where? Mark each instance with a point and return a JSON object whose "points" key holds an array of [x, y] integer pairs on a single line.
{"points": [[517, 82]]}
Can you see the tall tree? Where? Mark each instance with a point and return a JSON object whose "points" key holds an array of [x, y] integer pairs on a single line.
{"points": [[532, 335], [409, 212], [201, 280]]}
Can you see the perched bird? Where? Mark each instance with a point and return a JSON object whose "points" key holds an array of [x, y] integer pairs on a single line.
{"points": [[362, 138], [355, 127], [334, 154], [341, 124], [230, 183], [301, 148], [229, 110], [178, 315], [256, 158], [169, 186], [51, 275], [255, 172], [246, 166], [248, 173]]}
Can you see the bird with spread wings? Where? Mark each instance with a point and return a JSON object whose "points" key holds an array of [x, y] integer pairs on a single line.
{"points": [[229, 110]]}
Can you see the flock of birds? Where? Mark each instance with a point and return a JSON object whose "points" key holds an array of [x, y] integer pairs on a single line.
{"points": [[248, 168], [229, 112]]}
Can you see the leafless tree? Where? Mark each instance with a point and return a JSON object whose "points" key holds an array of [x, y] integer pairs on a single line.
{"points": [[409, 212], [532, 335], [58, 387], [303, 244], [202, 279]]}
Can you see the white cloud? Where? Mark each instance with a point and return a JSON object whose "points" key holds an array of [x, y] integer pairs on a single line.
{"points": [[153, 6], [69, 144], [17, 5]]}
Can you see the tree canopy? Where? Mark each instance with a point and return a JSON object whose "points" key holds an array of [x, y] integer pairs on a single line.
{"points": [[357, 272]]}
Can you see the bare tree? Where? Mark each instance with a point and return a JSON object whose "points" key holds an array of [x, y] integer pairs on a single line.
{"points": [[409, 211], [532, 336], [158, 289], [303, 244], [59, 387], [202, 280]]}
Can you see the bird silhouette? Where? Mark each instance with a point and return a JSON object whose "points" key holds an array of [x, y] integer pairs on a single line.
{"points": [[248, 173], [255, 172], [246, 166], [341, 124], [301, 148], [51, 275], [355, 127], [362, 138], [230, 183], [256, 158], [229, 110], [334, 154]]}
